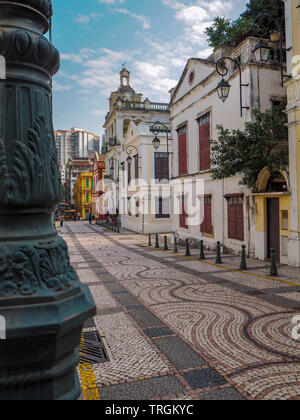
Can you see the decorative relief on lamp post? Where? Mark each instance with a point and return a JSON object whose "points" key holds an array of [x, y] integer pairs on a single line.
{"points": [[41, 298]]}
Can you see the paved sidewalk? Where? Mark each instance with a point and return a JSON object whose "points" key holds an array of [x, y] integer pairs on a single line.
{"points": [[177, 328]]}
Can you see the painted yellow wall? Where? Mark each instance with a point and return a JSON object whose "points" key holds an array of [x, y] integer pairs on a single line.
{"points": [[285, 204], [296, 30], [294, 93], [81, 190], [261, 212]]}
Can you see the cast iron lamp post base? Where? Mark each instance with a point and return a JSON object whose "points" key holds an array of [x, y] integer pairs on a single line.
{"points": [[41, 298]]}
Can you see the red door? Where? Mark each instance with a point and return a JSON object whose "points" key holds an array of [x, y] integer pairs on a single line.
{"points": [[204, 144], [206, 226], [182, 151], [236, 218]]}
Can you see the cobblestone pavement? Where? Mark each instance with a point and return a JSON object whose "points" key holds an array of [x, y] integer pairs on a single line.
{"points": [[177, 328]]}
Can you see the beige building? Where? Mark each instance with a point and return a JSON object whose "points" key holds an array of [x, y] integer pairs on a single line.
{"points": [[227, 208], [293, 111], [74, 168]]}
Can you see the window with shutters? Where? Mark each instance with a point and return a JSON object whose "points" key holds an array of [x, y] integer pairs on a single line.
{"points": [[162, 208], [207, 225], [204, 142], [161, 166], [183, 215], [235, 218], [182, 150]]}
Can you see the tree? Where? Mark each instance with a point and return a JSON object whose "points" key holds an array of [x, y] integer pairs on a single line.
{"points": [[232, 32], [274, 8], [219, 33], [227, 32], [263, 143]]}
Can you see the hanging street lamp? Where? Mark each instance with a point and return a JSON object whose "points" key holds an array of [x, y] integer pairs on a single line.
{"points": [[156, 143], [42, 301], [223, 88], [262, 50], [156, 129]]}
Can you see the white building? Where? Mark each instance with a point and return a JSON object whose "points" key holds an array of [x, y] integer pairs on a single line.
{"points": [[125, 106], [145, 202], [227, 208], [75, 143]]}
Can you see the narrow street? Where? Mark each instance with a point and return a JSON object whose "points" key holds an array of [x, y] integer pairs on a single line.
{"points": [[178, 328]]}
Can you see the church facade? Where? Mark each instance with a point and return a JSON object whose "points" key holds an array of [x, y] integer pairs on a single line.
{"points": [[125, 107]]}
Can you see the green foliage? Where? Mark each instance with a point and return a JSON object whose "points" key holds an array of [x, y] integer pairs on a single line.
{"points": [[263, 143], [274, 8], [226, 32]]}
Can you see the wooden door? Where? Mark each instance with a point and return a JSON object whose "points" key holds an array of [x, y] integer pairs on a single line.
{"points": [[182, 151], [273, 226], [204, 146]]}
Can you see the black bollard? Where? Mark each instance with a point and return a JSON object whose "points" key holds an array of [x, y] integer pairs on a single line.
{"points": [[156, 242], [273, 270], [243, 265], [150, 242], [175, 246], [202, 255], [187, 248], [218, 251], [166, 248]]}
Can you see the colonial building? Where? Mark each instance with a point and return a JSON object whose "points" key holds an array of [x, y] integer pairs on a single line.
{"points": [[125, 105], [227, 208], [293, 111], [98, 206], [83, 194], [74, 168], [146, 204]]}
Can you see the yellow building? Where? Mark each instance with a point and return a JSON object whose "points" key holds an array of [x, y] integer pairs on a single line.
{"points": [[83, 194], [277, 201], [292, 12]]}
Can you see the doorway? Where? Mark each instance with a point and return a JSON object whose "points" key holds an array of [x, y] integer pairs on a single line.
{"points": [[273, 223]]}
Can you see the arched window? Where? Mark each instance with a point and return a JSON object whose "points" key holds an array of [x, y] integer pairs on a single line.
{"points": [[277, 183]]}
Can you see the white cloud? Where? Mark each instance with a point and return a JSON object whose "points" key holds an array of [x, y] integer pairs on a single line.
{"points": [[85, 19], [143, 20], [58, 87], [75, 58]]}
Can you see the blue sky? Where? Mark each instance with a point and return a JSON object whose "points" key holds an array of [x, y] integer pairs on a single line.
{"points": [[154, 37]]}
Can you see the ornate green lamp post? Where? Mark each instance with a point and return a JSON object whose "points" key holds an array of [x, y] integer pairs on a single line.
{"points": [[41, 298]]}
